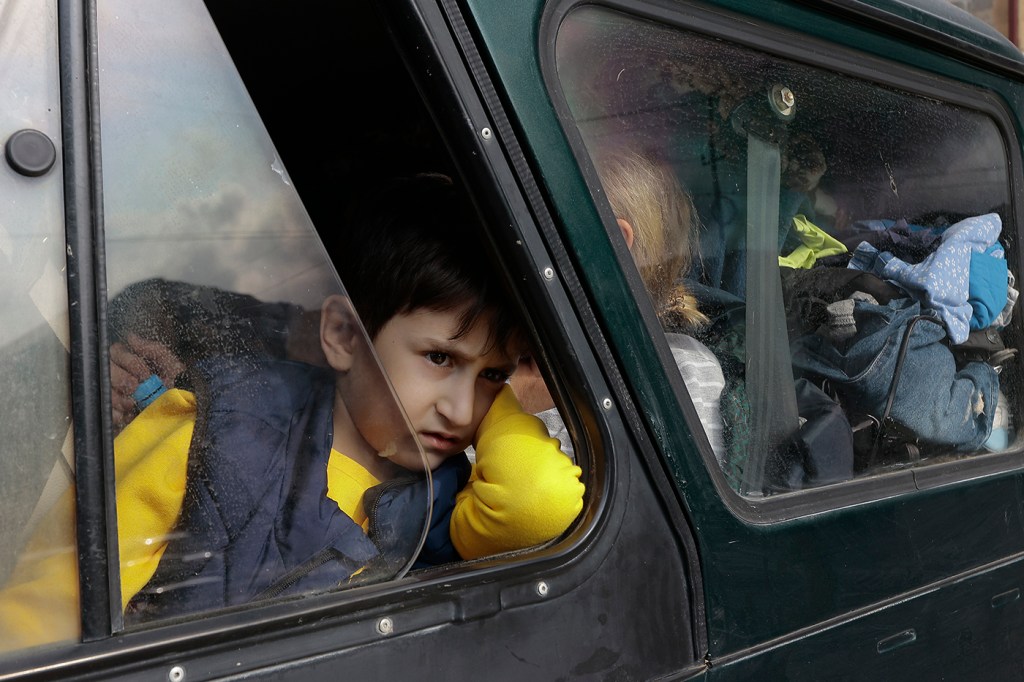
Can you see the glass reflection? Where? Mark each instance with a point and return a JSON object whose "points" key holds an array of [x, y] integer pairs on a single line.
{"points": [[241, 470]]}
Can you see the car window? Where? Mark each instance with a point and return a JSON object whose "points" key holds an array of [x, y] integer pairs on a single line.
{"points": [[260, 450], [38, 456], [222, 397], [218, 279], [836, 271]]}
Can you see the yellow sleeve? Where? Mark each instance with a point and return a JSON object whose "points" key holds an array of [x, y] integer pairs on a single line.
{"points": [[40, 602], [523, 490], [151, 462]]}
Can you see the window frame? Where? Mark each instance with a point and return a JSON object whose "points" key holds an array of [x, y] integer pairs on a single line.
{"points": [[96, 514], [788, 43]]}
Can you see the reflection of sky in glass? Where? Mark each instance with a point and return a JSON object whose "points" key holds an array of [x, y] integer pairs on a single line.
{"points": [[193, 189], [32, 258]]}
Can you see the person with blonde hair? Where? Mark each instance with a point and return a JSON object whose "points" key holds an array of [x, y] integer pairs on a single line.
{"points": [[658, 223]]}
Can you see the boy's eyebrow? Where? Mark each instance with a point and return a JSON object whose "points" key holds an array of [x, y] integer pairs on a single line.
{"points": [[451, 347]]}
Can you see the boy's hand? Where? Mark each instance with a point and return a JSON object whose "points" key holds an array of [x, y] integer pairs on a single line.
{"points": [[131, 363]]}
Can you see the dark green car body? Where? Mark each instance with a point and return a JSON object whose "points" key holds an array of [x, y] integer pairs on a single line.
{"points": [[911, 572]]}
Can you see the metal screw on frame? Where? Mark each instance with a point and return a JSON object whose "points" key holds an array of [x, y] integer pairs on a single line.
{"points": [[783, 100]]}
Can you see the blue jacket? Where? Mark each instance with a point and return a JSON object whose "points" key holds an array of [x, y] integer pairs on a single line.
{"points": [[256, 520]]}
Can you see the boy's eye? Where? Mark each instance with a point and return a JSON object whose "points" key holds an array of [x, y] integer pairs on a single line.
{"points": [[438, 358], [495, 375]]}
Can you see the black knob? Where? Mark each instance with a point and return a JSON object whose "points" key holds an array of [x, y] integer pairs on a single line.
{"points": [[30, 152]]}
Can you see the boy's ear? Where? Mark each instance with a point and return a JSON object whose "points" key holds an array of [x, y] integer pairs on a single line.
{"points": [[627, 232], [339, 332]]}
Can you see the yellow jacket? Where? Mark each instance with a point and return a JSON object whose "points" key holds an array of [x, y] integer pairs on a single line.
{"points": [[523, 491]]}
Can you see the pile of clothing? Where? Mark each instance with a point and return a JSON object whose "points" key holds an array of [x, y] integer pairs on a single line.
{"points": [[906, 329]]}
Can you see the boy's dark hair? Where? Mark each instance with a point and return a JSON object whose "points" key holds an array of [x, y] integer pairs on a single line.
{"points": [[415, 242]]}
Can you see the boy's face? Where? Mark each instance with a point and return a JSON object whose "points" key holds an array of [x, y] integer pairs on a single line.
{"points": [[446, 385]]}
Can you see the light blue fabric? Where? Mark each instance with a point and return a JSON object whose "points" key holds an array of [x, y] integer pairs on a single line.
{"points": [[988, 286], [941, 281]]}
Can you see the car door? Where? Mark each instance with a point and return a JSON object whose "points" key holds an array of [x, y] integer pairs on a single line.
{"points": [[888, 545], [197, 169]]}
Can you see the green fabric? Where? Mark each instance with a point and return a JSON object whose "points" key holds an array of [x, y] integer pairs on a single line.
{"points": [[816, 243]]}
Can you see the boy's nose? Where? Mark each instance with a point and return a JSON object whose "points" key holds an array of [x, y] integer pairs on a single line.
{"points": [[456, 405]]}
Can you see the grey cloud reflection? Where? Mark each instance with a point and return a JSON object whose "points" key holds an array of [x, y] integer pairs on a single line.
{"points": [[234, 239]]}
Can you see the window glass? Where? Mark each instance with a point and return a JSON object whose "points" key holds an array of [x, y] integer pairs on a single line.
{"points": [[277, 433], [830, 257], [237, 477], [37, 465], [222, 294]]}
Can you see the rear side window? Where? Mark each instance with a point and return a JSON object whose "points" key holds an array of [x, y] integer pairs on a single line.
{"points": [[832, 258]]}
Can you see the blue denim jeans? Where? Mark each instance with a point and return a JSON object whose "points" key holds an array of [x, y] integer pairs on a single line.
{"points": [[940, 404]]}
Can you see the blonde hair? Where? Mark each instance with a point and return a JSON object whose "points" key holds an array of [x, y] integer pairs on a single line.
{"points": [[648, 196]]}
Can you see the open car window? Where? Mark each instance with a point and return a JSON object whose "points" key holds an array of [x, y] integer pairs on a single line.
{"points": [[222, 399], [260, 451], [846, 304]]}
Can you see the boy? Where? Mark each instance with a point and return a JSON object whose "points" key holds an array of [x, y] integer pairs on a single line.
{"points": [[272, 477]]}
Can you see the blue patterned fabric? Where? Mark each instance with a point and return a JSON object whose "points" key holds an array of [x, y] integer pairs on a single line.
{"points": [[941, 282]]}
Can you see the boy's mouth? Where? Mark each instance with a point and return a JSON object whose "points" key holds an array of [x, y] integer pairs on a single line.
{"points": [[443, 443]]}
